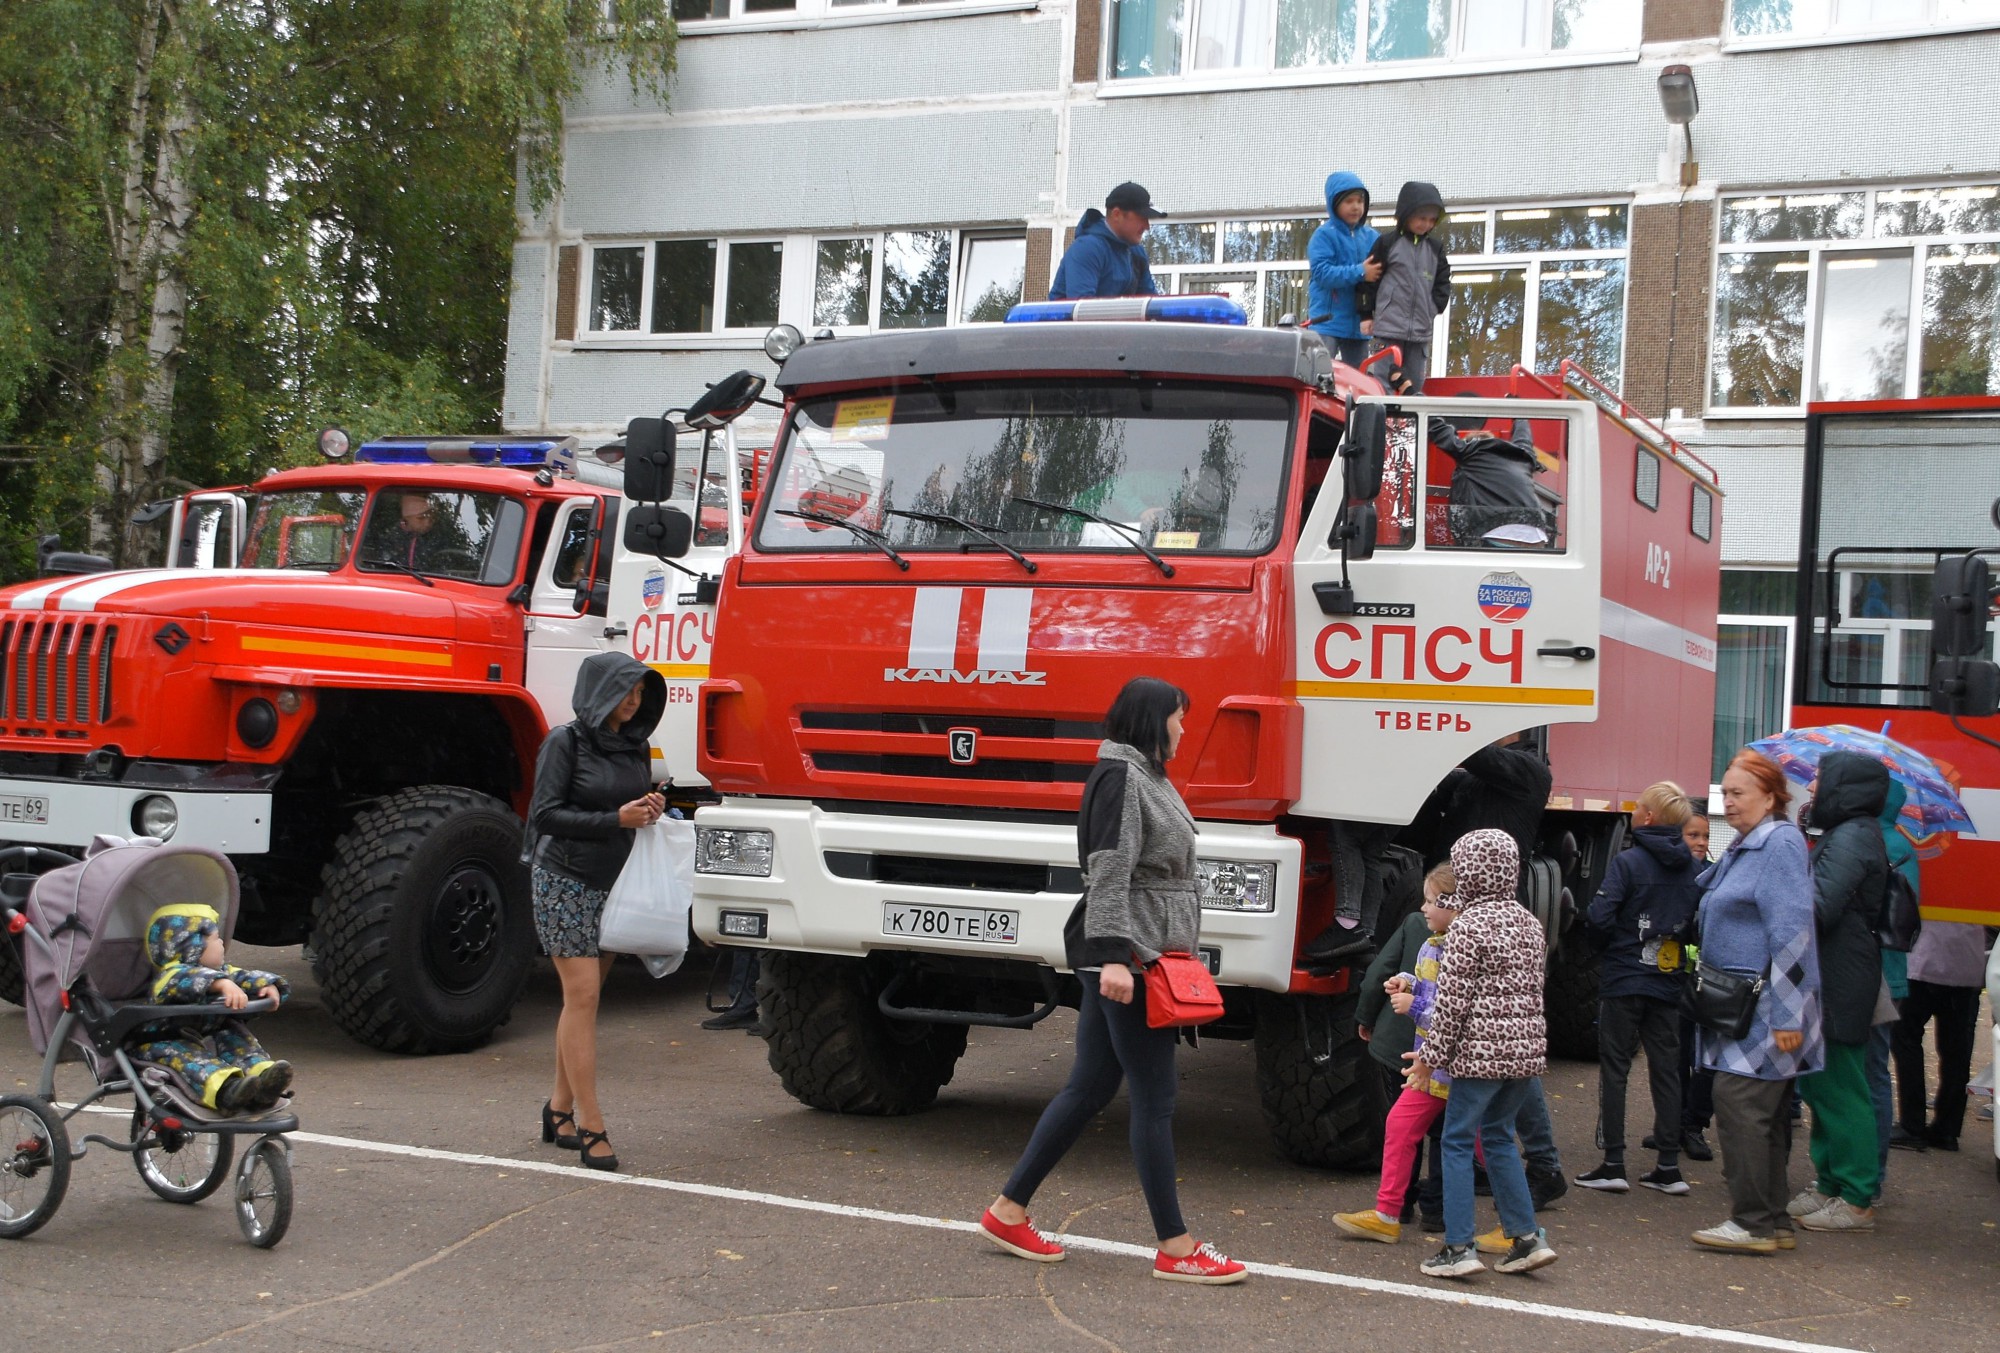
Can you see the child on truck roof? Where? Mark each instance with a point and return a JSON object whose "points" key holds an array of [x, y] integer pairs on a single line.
{"points": [[1340, 263], [1401, 307]]}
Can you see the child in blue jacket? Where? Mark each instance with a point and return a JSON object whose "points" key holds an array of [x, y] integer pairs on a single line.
{"points": [[1339, 257]]}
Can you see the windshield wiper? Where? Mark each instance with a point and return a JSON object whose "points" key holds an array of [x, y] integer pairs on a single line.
{"points": [[390, 562], [990, 534], [875, 538], [1166, 569]]}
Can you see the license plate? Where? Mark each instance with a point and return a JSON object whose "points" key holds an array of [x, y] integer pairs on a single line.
{"points": [[977, 925], [24, 808]]}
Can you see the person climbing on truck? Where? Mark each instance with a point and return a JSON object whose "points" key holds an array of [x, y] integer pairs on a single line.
{"points": [[1106, 258]]}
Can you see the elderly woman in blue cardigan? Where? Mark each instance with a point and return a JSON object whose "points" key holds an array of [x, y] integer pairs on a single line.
{"points": [[1757, 917]]}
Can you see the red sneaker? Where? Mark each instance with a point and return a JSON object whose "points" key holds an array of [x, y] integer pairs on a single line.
{"points": [[1023, 1240], [1206, 1265]]}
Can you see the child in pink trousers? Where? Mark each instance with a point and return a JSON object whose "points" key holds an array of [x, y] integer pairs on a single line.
{"points": [[1417, 1107]]}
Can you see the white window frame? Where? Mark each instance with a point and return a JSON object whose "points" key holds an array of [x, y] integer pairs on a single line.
{"points": [[1831, 31], [1818, 253], [1268, 73], [827, 14]]}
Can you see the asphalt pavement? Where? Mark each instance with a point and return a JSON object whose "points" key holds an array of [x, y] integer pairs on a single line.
{"points": [[430, 1216]]}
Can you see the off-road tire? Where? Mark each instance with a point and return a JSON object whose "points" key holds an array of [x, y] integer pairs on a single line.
{"points": [[1324, 1114], [13, 981], [423, 932], [1569, 998], [833, 1048]]}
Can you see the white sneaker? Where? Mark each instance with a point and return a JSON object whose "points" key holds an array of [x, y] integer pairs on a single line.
{"points": [[1839, 1215], [1730, 1235], [1808, 1202]]}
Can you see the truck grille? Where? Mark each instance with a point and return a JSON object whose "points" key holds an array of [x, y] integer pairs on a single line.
{"points": [[1012, 748], [55, 676]]}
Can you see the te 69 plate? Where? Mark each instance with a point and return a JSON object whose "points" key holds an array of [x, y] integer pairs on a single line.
{"points": [[974, 925]]}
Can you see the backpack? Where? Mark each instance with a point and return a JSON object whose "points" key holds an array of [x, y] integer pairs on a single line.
{"points": [[1901, 920]]}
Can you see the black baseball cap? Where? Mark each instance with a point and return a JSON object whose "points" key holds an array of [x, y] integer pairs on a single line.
{"points": [[1132, 197]]}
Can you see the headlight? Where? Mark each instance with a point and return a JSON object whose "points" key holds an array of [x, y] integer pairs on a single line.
{"points": [[1237, 885], [727, 850], [156, 816], [782, 342]]}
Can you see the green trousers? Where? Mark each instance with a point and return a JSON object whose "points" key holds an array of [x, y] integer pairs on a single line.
{"points": [[1844, 1151]]}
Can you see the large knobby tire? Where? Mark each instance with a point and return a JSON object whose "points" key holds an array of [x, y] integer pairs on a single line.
{"points": [[835, 1050], [423, 933], [1326, 1114], [1569, 998]]}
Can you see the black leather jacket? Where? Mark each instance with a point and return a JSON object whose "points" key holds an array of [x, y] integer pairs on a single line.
{"points": [[586, 772]]}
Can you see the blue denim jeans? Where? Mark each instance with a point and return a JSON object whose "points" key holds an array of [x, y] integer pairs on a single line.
{"points": [[1488, 1110], [1884, 1094]]}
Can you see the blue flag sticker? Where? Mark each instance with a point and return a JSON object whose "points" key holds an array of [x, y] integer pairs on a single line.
{"points": [[1505, 598]]}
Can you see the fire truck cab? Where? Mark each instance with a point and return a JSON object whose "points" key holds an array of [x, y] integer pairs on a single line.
{"points": [[342, 681], [970, 540]]}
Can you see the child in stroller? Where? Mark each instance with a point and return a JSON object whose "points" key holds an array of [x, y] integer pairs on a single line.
{"points": [[223, 1063], [95, 994]]}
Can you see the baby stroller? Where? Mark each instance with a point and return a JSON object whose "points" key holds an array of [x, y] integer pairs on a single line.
{"points": [[82, 930]]}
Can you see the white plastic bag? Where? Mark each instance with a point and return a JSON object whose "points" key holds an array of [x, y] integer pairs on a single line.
{"points": [[647, 910]]}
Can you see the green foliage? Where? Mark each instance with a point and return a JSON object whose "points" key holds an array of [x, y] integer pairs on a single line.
{"points": [[356, 169]]}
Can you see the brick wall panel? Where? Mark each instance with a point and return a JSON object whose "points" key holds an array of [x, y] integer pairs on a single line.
{"points": [[1659, 330], [1681, 20]]}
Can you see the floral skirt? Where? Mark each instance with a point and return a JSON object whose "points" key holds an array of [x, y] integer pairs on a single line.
{"points": [[567, 915]]}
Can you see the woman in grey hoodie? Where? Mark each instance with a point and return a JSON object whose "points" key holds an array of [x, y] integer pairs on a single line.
{"points": [[1135, 840]]}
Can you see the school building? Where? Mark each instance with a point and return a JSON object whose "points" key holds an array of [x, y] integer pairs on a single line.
{"points": [[881, 164]]}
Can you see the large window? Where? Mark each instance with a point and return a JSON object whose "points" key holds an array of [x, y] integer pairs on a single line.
{"points": [[1753, 679], [1856, 295], [700, 13], [1750, 20], [1155, 38], [898, 279]]}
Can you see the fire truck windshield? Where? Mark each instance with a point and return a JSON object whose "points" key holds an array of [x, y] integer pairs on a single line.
{"points": [[474, 537], [303, 528], [1194, 469]]}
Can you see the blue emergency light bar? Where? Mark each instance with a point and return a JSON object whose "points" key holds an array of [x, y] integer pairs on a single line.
{"points": [[1202, 309], [526, 453]]}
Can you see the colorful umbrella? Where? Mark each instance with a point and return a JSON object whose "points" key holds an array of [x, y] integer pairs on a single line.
{"points": [[1933, 804]]}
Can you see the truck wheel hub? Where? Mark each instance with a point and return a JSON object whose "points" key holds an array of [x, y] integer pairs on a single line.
{"points": [[464, 929]]}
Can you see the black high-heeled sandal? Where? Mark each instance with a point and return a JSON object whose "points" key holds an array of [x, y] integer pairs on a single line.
{"points": [[587, 1139], [553, 1124]]}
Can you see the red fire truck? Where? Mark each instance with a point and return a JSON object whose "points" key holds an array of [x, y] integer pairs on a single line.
{"points": [[969, 540], [1892, 488], [342, 682]]}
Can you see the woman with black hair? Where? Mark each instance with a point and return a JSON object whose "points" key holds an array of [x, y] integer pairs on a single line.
{"points": [[1135, 841]]}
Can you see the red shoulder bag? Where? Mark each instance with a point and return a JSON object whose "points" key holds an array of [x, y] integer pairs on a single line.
{"points": [[1180, 992]]}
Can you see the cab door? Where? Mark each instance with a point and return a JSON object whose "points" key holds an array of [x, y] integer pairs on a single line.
{"points": [[1458, 632], [559, 636], [206, 531]]}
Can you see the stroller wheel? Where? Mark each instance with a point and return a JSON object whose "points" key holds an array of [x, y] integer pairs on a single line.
{"points": [[34, 1164], [264, 1192], [182, 1167]]}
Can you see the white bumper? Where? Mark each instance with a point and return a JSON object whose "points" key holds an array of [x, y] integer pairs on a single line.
{"points": [[235, 822], [808, 908]]}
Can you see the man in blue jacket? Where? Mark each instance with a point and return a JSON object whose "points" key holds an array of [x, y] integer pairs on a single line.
{"points": [[1106, 258], [1339, 257]]}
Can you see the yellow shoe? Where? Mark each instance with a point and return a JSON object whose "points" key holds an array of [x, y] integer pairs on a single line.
{"points": [[1494, 1242], [1367, 1224]]}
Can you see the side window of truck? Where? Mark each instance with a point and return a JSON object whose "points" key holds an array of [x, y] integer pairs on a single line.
{"points": [[573, 547], [1495, 484]]}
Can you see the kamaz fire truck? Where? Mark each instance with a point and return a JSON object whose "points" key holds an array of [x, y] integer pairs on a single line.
{"points": [[342, 681], [969, 540]]}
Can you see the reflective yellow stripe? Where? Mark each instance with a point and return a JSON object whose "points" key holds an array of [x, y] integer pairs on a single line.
{"points": [[257, 643], [1960, 914], [681, 671], [1419, 692]]}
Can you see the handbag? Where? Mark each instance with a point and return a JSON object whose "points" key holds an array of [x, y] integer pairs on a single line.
{"points": [[1721, 1001], [646, 912], [1180, 992]]}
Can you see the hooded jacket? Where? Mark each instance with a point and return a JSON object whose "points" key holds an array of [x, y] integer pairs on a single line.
{"points": [[175, 937], [1643, 910], [1415, 286], [1850, 869], [1098, 263], [1390, 1035], [1336, 254], [586, 772], [1487, 1022], [1135, 840], [1903, 858], [1501, 787]]}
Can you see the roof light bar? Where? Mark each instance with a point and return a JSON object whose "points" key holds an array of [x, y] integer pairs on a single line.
{"points": [[1196, 309], [526, 453]]}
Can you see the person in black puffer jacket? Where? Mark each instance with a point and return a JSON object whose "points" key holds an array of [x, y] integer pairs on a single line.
{"points": [[593, 790], [1642, 913], [1850, 868]]}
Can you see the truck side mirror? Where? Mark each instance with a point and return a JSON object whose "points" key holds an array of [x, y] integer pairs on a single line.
{"points": [[663, 532], [1965, 688], [1364, 452], [726, 401], [649, 460], [1357, 530], [1961, 593]]}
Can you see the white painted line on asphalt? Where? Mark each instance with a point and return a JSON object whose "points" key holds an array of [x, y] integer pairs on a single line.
{"points": [[1449, 1296]]}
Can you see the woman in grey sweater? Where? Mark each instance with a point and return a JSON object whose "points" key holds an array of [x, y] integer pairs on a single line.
{"points": [[1135, 840]]}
